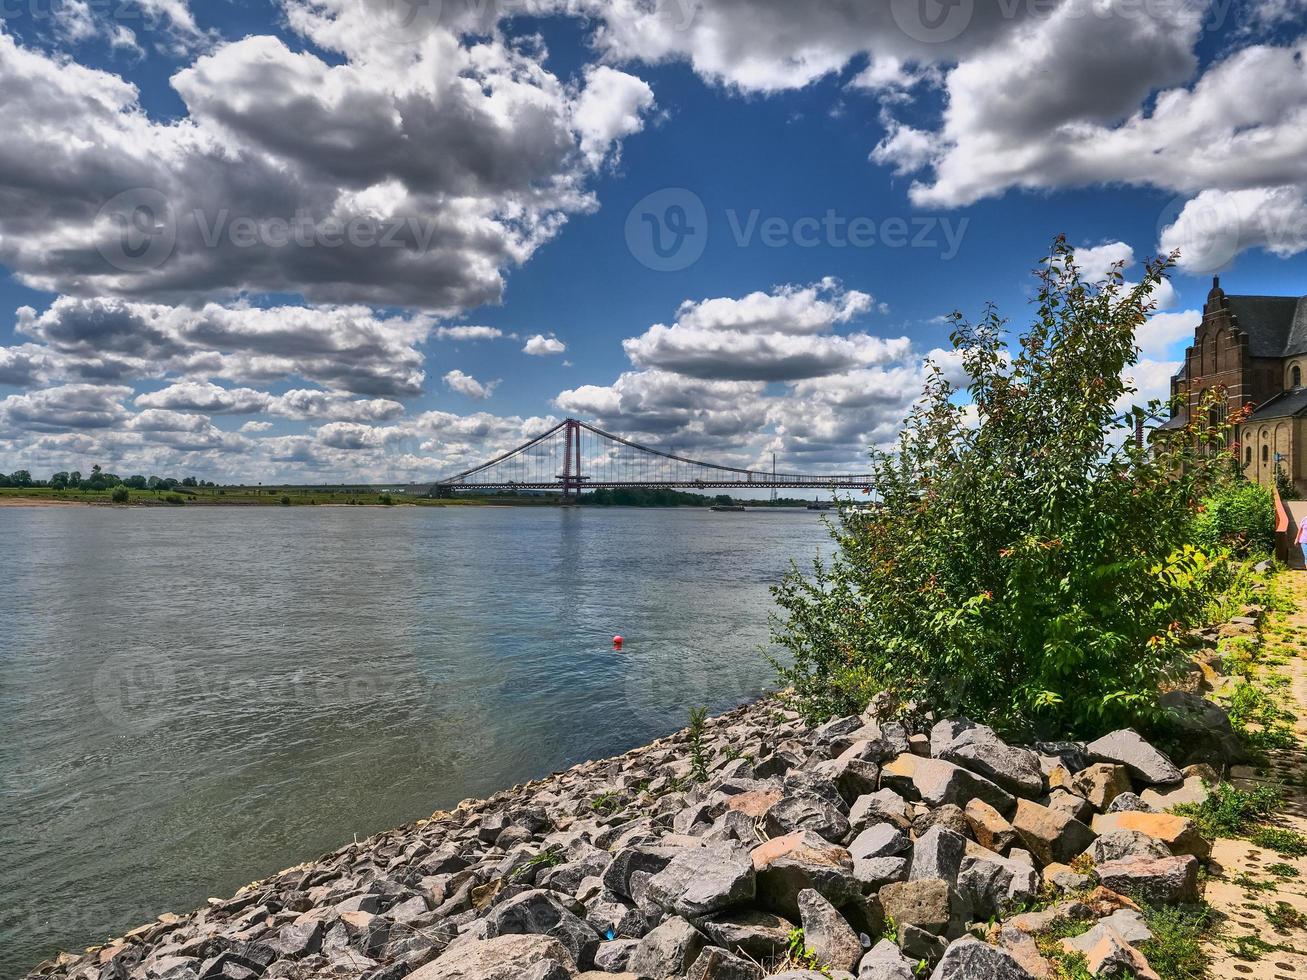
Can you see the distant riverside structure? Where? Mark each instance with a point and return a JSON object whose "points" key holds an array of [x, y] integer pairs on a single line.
{"points": [[1256, 348]]}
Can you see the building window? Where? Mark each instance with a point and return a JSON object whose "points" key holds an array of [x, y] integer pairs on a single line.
{"points": [[1266, 454], [1248, 456], [1296, 376]]}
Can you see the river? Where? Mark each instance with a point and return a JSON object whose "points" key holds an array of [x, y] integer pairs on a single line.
{"points": [[191, 699]]}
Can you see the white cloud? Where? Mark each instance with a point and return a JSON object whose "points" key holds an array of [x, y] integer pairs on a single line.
{"points": [[542, 346], [468, 333], [611, 107], [468, 386], [254, 426]]}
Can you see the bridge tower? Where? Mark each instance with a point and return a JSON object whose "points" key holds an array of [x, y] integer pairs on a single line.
{"points": [[571, 475]]}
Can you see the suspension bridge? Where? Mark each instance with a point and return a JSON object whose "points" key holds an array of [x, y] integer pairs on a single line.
{"points": [[575, 456]]}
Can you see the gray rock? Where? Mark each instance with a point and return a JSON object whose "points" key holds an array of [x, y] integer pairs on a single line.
{"points": [[704, 880], [609, 915], [939, 782], [617, 876], [1126, 923], [668, 951], [948, 815], [1126, 843], [1204, 730], [539, 913], [501, 958], [875, 872], [826, 932], [806, 811], [853, 777], [1071, 755], [920, 944], [938, 854], [1128, 802], [925, 903], [1145, 763], [614, 956], [880, 840], [883, 806], [787, 865], [884, 961], [982, 751], [1165, 881], [836, 727], [715, 963], [991, 883], [751, 932], [944, 732], [970, 959]]}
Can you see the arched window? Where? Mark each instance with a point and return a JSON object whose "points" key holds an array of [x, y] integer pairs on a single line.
{"points": [[1248, 456], [1295, 377], [1266, 453]]}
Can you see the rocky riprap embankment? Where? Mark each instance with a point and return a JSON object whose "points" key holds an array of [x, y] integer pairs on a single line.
{"points": [[887, 842]]}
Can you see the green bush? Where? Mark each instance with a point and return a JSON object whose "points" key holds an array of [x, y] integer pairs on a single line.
{"points": [[387, 499], [285, 501], [1239, 515], [120, 495], [1030, 566], [175, 499]]}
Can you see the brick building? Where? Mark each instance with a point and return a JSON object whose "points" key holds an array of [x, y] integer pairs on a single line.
{"points": [[1256, 347]]}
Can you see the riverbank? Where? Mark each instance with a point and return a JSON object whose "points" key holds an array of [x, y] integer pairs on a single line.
{"points": [[888, 840]]}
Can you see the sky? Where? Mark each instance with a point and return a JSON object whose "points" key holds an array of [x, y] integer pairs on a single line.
{"points": [[385, 240]]}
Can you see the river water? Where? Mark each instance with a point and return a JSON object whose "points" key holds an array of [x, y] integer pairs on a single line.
{"points": [[191, 699]]}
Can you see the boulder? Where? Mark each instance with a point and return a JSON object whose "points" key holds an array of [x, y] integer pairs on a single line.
{"points": [[668, 951], [1179, 834], [948, 815], [537, 913], [1163, 881], [704, 880], [1050, 835], [1118, 844], [1203, 730], [502, 958], [1077, 807], [925, 903], [938, 782], [883, 806], [715, 963], [937, 854], [827, 933], [1194, 790], [627, 860], [970, 959], [853, 777], [1126, 748], [787, 865], [944, 732], [1130, 801], [1063, 878], [752, 932], [615, 954], [989, 827], [1101, 783], [875, 872], [982, 751], [885, 961], [1107, 953], [880, 840], [806, 811], [991, 883]]}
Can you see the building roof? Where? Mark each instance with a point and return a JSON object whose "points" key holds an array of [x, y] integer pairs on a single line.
{"points": [[1177, 421], [1276, 325], [1285, 405]]}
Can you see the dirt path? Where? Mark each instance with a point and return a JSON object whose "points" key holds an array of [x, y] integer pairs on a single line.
{"points": [[1251, 886]]}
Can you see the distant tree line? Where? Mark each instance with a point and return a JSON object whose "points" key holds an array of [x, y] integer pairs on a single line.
{"points": [[100, 480]]}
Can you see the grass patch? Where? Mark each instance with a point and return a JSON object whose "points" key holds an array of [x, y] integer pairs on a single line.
{"points": [[1287, 843], [606, 803], [1176, 949], [1231, 812], [1250, 948], [1282, 870], [1283, 917]]}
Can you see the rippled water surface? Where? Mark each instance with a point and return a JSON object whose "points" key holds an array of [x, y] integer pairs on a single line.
{"points": [[192, 699]]}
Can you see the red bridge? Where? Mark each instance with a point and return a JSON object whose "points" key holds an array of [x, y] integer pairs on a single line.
{"points": [[575, 455]]}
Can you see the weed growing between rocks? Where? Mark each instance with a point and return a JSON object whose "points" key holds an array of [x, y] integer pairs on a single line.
{"points": [[1231, 812], [1176, 949]]}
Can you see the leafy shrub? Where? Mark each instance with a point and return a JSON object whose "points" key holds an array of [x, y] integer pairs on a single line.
{"points": [[1239, 515], [175, 499], [387, 499], [285, 501], [1030, 566], [120, 495]]}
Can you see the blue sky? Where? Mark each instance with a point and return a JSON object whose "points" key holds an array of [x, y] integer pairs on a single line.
{"points": [[524, 157]]}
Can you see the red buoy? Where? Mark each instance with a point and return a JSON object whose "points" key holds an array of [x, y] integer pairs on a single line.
{"points": [[617, 642]]}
